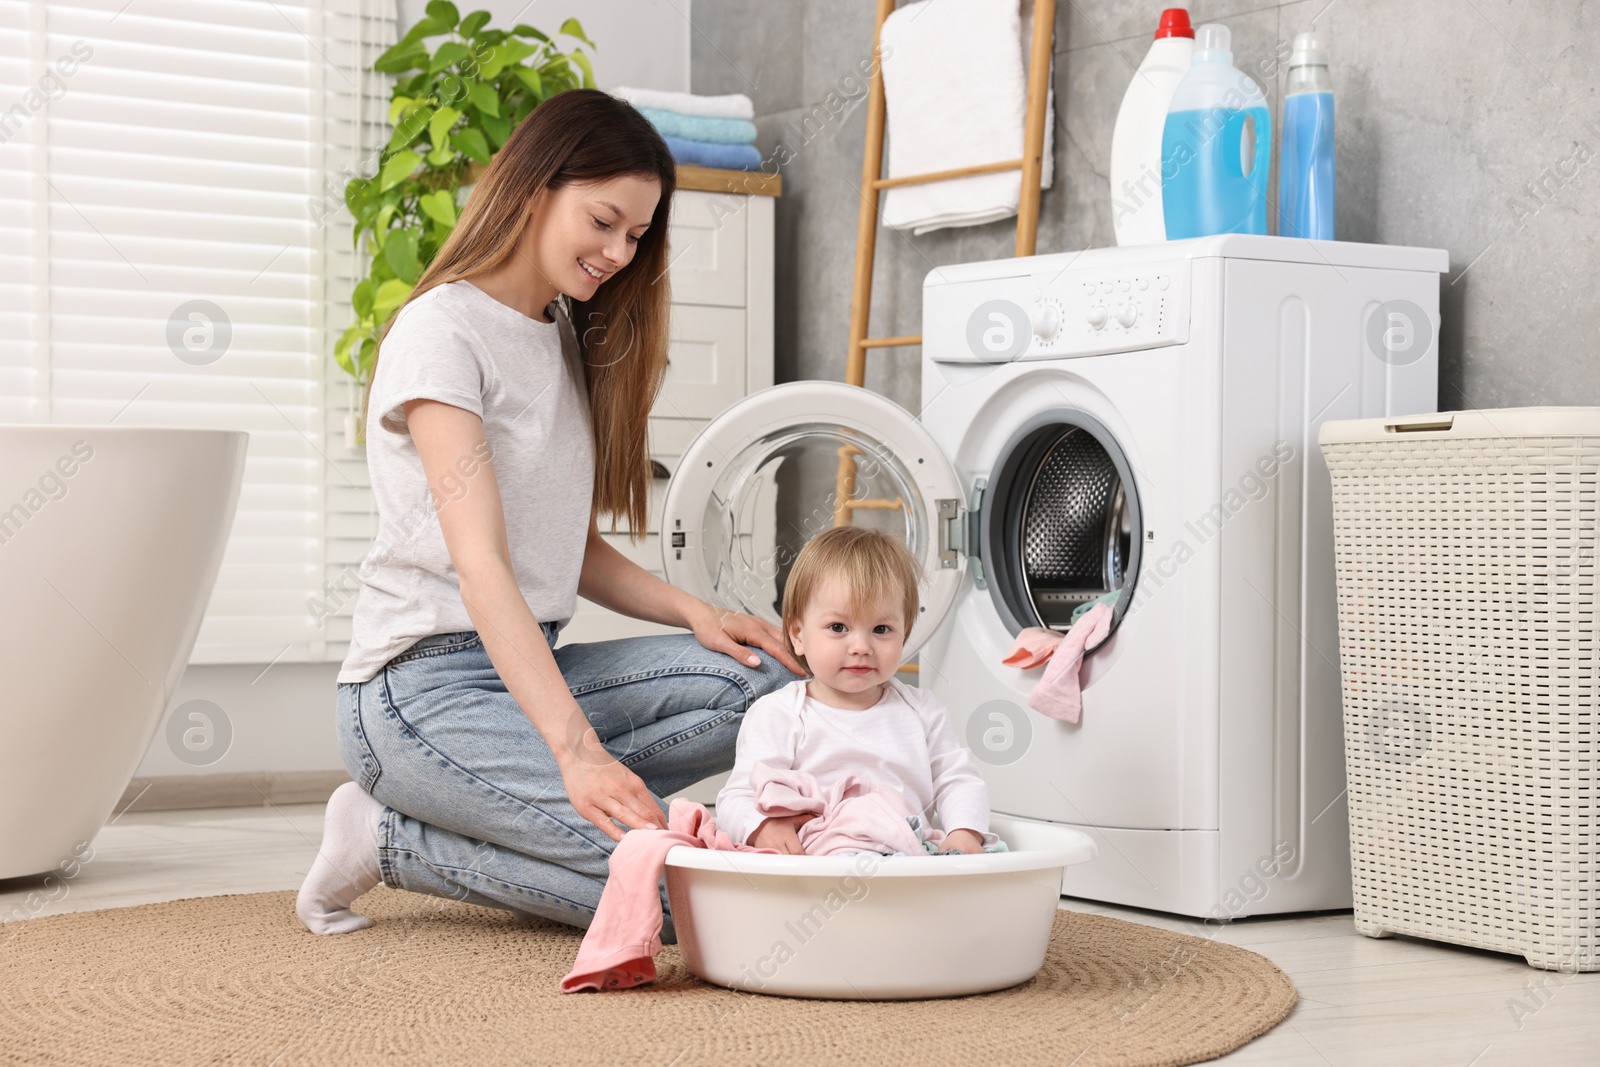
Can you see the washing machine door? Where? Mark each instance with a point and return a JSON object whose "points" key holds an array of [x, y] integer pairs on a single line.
{"points": [[788, 462]]}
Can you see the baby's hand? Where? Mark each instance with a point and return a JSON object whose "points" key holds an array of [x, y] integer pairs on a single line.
{"points": [[966, 840], [781, 833]]}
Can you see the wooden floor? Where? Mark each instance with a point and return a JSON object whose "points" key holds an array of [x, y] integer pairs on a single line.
{"points": [[1363, 1002]]}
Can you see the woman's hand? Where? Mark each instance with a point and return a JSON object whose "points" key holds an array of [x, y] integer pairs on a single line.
{"points": [[782, 834], [730, 632], [601, 789]]}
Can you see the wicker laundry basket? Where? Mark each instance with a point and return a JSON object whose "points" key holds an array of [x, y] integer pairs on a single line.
{"points": [[1469, 643]]}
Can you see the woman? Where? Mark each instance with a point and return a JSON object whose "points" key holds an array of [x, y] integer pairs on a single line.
{"points": [[508, 410]]}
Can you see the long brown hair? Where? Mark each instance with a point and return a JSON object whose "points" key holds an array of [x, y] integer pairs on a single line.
{"points": [[576, 137]]}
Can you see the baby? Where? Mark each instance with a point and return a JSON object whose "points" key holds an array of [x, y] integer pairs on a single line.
{"points": [[850, 600]]}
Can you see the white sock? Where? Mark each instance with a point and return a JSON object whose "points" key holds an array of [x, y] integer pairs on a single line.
{"points": [[346, 864]]}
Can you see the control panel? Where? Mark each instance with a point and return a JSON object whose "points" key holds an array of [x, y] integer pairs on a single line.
{"points": [[1074, 312]]}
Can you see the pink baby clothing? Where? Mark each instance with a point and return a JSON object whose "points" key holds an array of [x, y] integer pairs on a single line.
{"points": [[904, 743], [851, 815], [1059, 693], [619, 948]]}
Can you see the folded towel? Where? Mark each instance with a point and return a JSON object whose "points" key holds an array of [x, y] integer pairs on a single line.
{"points": [[957, 96], [700, 128], [709, 154], [732, 106]]}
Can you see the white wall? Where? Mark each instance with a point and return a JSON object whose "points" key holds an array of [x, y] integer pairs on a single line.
{"points": [[281, 717], [641, 43]]}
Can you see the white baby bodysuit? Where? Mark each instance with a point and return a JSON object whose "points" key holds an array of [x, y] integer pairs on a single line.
{"points": [[903, 742]]}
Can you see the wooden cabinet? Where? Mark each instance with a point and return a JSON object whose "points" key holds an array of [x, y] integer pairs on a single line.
{"points": [[720, 351]]}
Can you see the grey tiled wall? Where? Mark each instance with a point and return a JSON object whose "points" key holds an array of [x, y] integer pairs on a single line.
{"points": [[1470, 125]]}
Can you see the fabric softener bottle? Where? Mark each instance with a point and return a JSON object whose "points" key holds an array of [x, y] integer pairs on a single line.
{"points": [[1305, 162], [1216, 146]]}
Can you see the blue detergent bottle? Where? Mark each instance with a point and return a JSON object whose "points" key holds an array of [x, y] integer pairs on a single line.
{"points": [[1216, 145], [1305, 162]]}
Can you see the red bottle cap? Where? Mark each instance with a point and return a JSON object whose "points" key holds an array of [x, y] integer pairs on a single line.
{"points": [[1174, 23]]}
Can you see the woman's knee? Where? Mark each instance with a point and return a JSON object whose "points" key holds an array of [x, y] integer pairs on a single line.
{"points": [[770, 676]]}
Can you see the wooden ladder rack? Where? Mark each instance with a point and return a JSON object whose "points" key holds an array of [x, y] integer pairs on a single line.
{"points": [[872, 183]]}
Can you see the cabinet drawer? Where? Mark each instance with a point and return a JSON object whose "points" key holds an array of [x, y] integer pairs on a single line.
{"points": [[706, 247], [705, 362]]}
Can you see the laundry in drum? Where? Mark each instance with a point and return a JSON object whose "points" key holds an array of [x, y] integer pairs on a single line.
{"points": [[1109, 599]]}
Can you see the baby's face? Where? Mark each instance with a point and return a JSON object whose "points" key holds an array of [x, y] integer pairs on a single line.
{"points": [[850, 652]]}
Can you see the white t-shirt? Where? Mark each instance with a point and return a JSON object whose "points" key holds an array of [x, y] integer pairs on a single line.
{"points": [[524, 378], [904, 742]]}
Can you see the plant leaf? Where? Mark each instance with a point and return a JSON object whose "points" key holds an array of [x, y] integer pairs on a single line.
{"points": [[397, 170], [369, 356], [400, 251], [484, 98], [472, 23], [443, 11], [470, 143], [441, 156], [401, 58], [449, 53], [407, 130], [355, 194], [440, 206], [491, 62], [574, 28], [341, 351], [425, 27], [524, 30], [530, 78], [498, 129], [439, 126], [390, 295], [588, 71], [513, 52], [361, 298], [398, 106]]}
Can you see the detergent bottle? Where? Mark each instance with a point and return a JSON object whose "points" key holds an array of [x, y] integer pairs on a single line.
{"points": [[1216, 146], [1305, 163], [1136, 212]]}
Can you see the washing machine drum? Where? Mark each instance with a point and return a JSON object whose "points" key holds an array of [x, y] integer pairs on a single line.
{"points": [[1064, 531], [1069, 514]]}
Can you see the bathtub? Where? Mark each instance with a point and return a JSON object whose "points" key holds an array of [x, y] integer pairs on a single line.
{"points": [[110, 542], [870, 927]]}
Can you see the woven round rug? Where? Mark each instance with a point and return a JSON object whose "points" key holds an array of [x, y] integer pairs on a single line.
{"points": [[237, 980]]}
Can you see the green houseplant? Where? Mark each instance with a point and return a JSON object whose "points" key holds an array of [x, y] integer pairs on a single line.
{"points": [[453, 106]]}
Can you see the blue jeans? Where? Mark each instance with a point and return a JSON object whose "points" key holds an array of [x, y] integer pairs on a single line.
{"points": [[475, 808]]}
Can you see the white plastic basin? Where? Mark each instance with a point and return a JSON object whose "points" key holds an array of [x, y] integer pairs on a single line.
{"points": [[868, 927]]}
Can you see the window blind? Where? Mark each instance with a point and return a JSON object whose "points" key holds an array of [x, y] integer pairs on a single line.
{"points": [[174, 251]]}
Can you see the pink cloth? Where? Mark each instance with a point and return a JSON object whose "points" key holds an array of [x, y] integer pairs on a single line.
{"points": [[619, 948], [1033, 647], [852, 814], [1059, 693]]}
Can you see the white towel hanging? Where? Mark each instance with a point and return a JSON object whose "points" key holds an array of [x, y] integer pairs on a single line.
{"points": [[957, 96]]}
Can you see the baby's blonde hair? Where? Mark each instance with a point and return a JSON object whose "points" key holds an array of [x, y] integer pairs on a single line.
{"points": [[875, 567]]}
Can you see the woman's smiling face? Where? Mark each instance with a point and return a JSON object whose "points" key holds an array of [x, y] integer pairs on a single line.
{"points": [[587, 233]]}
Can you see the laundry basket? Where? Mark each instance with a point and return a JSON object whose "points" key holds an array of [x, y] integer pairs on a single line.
{"points": [[1469, 644]]}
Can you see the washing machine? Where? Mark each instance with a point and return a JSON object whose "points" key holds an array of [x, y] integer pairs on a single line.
{"points": [[1135, 426]]}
